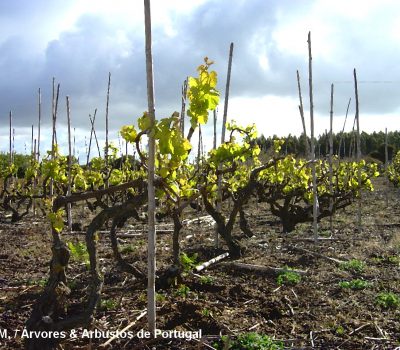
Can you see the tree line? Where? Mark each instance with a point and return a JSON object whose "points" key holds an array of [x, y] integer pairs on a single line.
{"points": [[372, 144]]}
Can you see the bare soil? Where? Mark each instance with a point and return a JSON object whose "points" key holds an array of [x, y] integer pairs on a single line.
{"points": [[314, 313]]}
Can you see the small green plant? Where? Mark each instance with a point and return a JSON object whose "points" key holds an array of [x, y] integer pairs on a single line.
{"points": [[108, 304], [41, 282], [188, 263], [206, 312], [377, 260], [160, 297], [79, 252], [353, 265], [388, 300], [325, 233], [183, 291], [130, 248], [356, 284], [390, 259], [288, 277], [394, 259], [249, 341], [142, 297], [206, 280], [339, 330]]}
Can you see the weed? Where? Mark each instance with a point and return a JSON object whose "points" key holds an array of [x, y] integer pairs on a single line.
{"points": [[353, 265], [339, 330], [356, 284], [288, 278], [130, 248], [79, 252], [377, 260], [108, 304], [388, 300], [188, 263], [325, 233], [206, 312], [248, 341], [394, 259], [41, 282], [390, 259], [142, 297], [160, 297], [206, 280], [183, 291]]}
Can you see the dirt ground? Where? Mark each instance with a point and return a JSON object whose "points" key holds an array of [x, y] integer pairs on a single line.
{"points": [[315, 313]]}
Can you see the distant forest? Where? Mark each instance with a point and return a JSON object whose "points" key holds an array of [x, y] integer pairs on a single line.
{"points": [[372, 145]]}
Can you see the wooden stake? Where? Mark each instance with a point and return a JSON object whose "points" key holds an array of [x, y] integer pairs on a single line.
{"points": [[301, 110], [39, 123], [215, 129], [151, 259], [92, 132], [73, 150], [330, 163], [358, 151], [314, 180], [10, 139], [69, 214], [342, 133], [224, 118], [108, 101], [32, 154], [54, 133], [386, 166], [228, 82], [183, 108]]}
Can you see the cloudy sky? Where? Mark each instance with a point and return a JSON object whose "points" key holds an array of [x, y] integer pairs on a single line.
{"points": [[78, 42]]}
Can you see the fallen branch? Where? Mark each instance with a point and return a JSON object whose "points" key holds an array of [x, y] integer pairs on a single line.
{"points": [[309, 239], [377, 339], [359, 328], [204, 265], [318, 255], [130, 325], [268, 270], [207, 219], [125, 234]]}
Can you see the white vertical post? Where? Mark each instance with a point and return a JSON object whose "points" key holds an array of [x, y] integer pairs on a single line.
{"points": [[151, 258]]}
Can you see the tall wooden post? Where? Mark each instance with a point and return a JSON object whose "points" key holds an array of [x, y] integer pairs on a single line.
{"points": [[314, 177], [359, 214], [151, 258]]}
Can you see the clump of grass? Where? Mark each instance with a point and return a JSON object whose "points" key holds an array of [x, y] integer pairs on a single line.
{"points": [[130, 248], [160, 297], [389, 259], [79, 252], [41, 282], [248, 341], [288, 278], [108, 304], [206, 280], [388, 300], [183, 291], [394, 259], [353, 265], [356, 284], [206, 312]]}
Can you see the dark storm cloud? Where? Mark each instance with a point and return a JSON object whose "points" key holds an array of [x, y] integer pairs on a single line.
{"points": [[81, 58]]}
